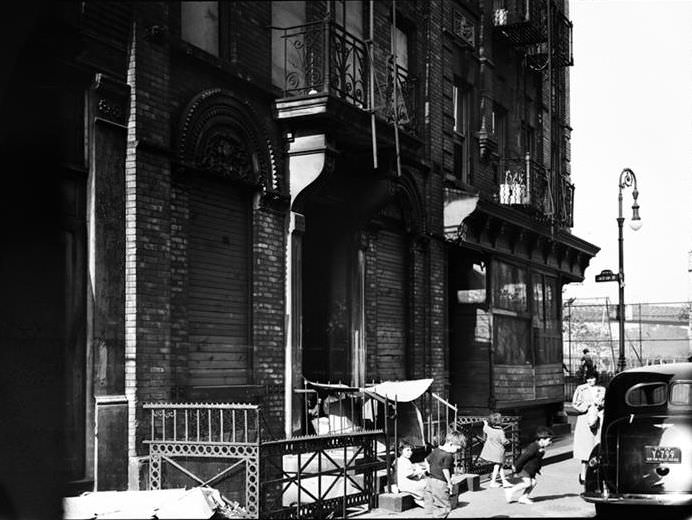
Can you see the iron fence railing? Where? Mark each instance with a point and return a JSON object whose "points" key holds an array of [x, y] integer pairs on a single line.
{"points": [[468, 460], [323, 58], [320, 476], [183, 438]]}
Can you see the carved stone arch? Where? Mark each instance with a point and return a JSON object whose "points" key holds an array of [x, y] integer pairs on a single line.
{"points": [[411, 202], [220, 134]]}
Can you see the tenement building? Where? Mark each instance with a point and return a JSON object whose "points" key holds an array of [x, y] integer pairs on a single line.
{"points": [[258, 193]]}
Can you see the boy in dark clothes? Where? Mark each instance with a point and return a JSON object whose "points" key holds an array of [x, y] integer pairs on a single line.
{"points": [[441, 467], [529, 465]]}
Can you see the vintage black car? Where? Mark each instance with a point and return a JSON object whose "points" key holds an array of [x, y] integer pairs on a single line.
{"points": [[645, 454]]}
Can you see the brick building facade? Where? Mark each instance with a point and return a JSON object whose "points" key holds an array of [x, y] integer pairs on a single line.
{"points": [[230, 232]]}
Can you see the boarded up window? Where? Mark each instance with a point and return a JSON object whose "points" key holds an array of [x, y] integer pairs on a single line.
{"points": [[218, 286], [391, 305]]}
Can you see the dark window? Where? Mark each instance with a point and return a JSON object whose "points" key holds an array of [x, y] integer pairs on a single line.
{"points": [[512, 341], [461, 93], [499, 124]]}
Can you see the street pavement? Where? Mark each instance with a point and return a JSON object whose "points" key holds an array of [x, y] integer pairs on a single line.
{"points": [[556, 494]]}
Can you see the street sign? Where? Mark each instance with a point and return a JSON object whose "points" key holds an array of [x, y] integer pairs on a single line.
{"points": [[607, 276]]}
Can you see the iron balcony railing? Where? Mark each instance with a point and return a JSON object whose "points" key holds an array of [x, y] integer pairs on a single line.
{"points": [[525, 185], [566, 206], [523, 22], [323, 58], [561, 36]]}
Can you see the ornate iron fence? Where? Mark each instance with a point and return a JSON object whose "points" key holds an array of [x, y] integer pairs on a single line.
{"points": [[184, 436], [319, 476]]}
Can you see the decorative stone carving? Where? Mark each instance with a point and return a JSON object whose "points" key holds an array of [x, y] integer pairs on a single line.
{"points": [[227, 156], [219, 134]]}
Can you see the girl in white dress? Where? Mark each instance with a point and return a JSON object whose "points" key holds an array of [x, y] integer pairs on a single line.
{"points": [[410, 477]]}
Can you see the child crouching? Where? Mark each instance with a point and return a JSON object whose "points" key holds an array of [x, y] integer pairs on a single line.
{"points": [[529, 465]]}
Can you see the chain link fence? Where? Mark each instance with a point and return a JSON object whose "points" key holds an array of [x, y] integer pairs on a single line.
{"points": [[655, 333]]}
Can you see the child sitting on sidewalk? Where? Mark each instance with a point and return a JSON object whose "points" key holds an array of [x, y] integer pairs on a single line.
{"points": [[529, 465], [410, 477], [441, 467], [494, 448]]}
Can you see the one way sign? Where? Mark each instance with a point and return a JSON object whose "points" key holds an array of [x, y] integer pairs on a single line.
{"points": [[607, 276]]}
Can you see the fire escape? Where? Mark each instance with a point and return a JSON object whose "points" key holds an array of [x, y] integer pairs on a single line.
{"points": [[544, 34]]}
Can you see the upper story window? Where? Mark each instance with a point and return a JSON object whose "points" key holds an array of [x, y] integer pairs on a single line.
{"points": [[400, 38], [200, 25], [349, 15], [499, 125], [462, 123]]}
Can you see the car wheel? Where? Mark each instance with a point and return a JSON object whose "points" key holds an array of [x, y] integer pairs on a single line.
{"points": [[605, 510]]}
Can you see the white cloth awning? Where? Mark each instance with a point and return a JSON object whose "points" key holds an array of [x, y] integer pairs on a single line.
{"points": [[402, 391]]}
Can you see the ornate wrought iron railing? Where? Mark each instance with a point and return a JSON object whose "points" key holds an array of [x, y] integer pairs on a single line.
{"points": [[524, 184], [323, 58], [225, 433], [469, 460]]}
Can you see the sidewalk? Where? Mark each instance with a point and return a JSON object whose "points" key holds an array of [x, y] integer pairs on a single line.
{"points": [[559, 451]]}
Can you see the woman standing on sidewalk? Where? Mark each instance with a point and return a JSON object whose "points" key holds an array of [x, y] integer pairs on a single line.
{"points": [[588, 402]]}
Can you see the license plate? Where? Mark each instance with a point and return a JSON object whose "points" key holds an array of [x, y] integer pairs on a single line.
{"points": [[659, 454]]}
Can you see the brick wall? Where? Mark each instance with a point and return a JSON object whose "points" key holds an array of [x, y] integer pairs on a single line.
{"points": [[149, 367]]}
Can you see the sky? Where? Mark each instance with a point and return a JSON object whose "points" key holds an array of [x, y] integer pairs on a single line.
{"points": [[631, 107]]}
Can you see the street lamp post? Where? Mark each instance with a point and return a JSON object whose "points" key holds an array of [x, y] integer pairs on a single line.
{"points": [[627, 178]]}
